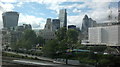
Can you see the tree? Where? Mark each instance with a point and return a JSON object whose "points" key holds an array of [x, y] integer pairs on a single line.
{"points": [[40, 40], [60, 44], [50, 48], [72, 37], [27, 41], [30, 35], [61, 34]]}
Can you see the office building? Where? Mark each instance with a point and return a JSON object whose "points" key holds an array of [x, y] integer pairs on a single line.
{"points": [[48, 25], [10, 19], [47, 34], [108, 35], [86, 23], [63, 18], [13, 34], [55, 24], [119, 11], [71, 27]]}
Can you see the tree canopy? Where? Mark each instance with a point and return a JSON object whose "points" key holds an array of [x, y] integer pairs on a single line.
{"points": [[28, 40], [64, 40]]}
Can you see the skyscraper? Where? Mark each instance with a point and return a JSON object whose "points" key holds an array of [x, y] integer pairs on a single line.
{"points": [[10, 19], [48, 25], [119, 11], [86, 23], [55, 24], [63, 18]]}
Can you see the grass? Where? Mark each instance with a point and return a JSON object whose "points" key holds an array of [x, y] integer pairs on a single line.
{"points": [[17, 56]]}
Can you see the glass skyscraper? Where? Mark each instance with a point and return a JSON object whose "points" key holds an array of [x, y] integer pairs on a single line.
{"points": [[55, 24], [10, 19], [63, 18]]}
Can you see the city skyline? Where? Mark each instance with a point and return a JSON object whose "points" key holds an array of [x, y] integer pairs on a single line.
{"points": [[36, 12]]}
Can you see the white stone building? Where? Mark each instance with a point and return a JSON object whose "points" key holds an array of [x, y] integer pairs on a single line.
{"points": [[47, 34], [108, 35]]}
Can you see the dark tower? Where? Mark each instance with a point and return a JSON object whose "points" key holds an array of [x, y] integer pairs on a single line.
{"points": [[119, 11]]}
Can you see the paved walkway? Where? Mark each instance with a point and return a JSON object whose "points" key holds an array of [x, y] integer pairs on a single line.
{"points": [[38, 57]]}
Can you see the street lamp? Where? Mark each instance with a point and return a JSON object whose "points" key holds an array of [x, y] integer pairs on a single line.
{"points": [[96, 59]]}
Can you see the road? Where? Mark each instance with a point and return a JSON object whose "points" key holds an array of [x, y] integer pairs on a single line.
{"points": [[38, 57], [31, 63], [43, 62]]}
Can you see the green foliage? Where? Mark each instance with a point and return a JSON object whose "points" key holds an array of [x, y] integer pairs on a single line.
{"points": [[64, 39], [40, 40], [69, 36], [29, 35], [99, 59], [72, 35], [61, 34], [53, 47], [97, 48], [27, 41], [50, 48], [80, 46], [17, 56]]}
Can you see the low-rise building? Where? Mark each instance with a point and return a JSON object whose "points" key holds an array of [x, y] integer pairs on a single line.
{"points": [[47, 34], [13, 34], [107, 35]]}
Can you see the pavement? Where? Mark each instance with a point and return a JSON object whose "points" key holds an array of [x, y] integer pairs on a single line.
{"points": [[42, 62], [38, 57]]}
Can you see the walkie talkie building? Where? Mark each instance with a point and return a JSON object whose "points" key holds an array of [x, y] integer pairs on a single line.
{"points": [[10, 19]]}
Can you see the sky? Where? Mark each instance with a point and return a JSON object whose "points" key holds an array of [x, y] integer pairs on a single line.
{"points": [[35, 12]]}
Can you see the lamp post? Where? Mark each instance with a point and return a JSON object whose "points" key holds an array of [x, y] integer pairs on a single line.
{"points": [[96, 65]]}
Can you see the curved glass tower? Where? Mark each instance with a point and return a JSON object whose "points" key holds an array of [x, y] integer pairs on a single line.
{"points": [[10, 19]]}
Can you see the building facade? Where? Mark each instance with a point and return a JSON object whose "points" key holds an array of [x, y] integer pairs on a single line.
{"points": [[86, 23], [108, 35], [47, 35], [48, 25], [119, 11], [10, 19], [63, 18], [55, 24], [13, 34], [71, 27]]}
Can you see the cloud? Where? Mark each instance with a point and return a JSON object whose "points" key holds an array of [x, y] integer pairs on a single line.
{"points": [[19, 4], [10, 1], [76, 11], [36, 22], [6, 6], [105, 1], [99, 10], [3, 8], [76, 21]]}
